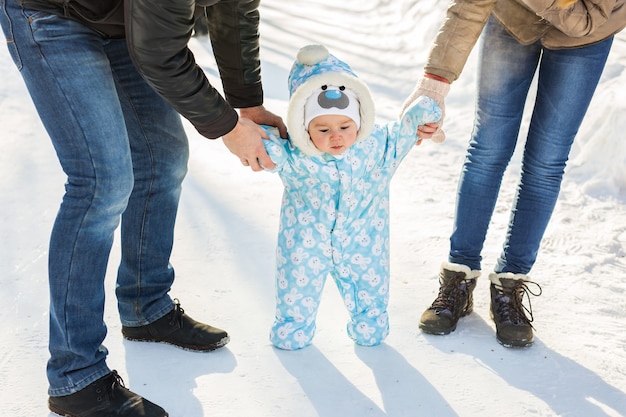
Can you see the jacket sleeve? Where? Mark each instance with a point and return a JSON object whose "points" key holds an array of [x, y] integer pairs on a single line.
{"points": [[580, 19], [157, 33], [457, 36], [234, 33]]}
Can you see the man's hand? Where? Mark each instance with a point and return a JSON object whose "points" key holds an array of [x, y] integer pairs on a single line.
{"points": [[261, 116], [245, 140]]}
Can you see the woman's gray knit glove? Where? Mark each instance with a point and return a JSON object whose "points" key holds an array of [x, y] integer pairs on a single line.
{"points": [[437, 90]]}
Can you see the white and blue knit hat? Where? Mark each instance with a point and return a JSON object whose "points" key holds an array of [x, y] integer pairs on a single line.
{"points": [[319, 83]]}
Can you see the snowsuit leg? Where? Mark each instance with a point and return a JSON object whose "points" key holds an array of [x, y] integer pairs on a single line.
{"points": [[302, 269], [296, 309], [363, 282]]}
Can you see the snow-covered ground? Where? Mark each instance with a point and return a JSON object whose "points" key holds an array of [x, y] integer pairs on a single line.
{"points": [[224, 255]]}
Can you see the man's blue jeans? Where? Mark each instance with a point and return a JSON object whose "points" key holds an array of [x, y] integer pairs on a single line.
{"points": [[125, 154], [567, 81]]}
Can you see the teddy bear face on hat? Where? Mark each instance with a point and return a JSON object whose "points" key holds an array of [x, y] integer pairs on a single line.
{"points": [[319, 83]]}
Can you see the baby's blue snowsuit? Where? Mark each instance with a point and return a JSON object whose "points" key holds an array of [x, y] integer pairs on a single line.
{"points": [[335, 220]]}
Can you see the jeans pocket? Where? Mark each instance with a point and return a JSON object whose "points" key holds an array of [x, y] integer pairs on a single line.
{"points": [[33, 19], [15, 54], [38, 20], [7, 29]]}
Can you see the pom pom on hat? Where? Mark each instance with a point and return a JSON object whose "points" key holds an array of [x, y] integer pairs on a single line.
{"points": [[312, 54]]}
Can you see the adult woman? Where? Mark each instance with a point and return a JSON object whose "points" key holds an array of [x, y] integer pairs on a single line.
{"points": [[566, 42]]}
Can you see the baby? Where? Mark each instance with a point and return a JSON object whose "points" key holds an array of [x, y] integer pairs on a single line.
{"points": [[336, 168]]}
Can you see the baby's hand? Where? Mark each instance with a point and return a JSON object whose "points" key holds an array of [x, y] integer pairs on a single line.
{"points": [[435, 88], [422, 118]]}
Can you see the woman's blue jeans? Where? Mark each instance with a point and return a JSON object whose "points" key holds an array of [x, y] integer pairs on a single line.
{"points": [[125, 154], [566, 83]]}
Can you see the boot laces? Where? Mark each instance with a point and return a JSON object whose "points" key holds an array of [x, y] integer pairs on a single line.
{"points": [[116, 380], [177, 314], [511, 306], [449, 292]]}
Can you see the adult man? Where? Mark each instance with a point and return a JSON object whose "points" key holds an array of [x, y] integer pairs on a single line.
{"points": [[109, 79]]}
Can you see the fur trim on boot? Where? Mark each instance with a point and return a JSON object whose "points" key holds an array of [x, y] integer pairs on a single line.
{"points": [[469, 273]]}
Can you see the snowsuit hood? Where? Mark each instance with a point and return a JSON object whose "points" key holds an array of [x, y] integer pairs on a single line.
{"points": [[315, 67]]}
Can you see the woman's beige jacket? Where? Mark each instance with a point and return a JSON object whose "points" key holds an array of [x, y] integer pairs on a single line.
{"points": [[583, 23]]}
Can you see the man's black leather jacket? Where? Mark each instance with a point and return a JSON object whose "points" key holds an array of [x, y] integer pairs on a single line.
{"points": [[157, 33]]}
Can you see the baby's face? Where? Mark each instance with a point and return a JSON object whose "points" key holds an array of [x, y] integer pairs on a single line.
{"points": [[332, 133]]}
